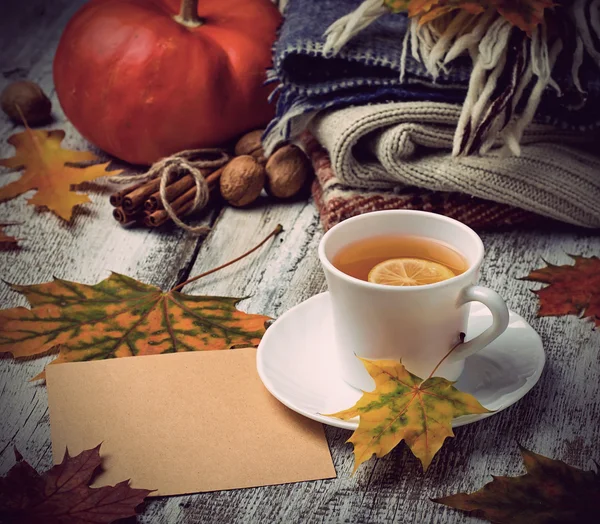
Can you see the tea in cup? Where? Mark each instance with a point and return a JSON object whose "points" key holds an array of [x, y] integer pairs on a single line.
{"points": [[400, 284]]}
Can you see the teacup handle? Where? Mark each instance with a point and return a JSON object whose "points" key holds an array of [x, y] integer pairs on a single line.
{"points": [[493, 301]]}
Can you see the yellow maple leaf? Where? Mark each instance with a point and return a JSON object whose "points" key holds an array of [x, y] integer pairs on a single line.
{"points": [[405, 407], [38, 152]]}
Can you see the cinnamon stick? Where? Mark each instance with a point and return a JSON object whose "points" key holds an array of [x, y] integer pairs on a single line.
{"points": [[123, 217], [173, 191], [136, 198], [180, 205], [145, 196], [116, 199], [154, 202], [158, 218]]}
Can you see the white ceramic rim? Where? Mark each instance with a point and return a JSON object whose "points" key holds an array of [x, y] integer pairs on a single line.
{"points": [[469, 274]]}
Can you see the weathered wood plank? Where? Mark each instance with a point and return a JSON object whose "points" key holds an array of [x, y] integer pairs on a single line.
{"points": [[558, 418]]}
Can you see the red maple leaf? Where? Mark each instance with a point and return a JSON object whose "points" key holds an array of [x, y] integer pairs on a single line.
{"points": [[573, 290], [551, 492], [62, 494], [8, 242]]}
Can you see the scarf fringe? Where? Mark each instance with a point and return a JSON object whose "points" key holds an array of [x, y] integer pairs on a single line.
{"points": [[343, 30], [497, 50]]}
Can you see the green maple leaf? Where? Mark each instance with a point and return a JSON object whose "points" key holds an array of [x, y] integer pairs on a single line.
{"points": [[121, 317]]}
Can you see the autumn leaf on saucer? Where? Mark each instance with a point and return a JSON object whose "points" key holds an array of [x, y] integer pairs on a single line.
{"points": [[62, 494], [404, 407], [121, 317], [38, 152], [573, 290], [7, 242], [551, 492]]}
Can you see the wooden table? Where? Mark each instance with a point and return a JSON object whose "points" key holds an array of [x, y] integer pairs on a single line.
{"points": [[558, 418]]}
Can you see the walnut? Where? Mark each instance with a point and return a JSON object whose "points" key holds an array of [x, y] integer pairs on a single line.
{"points": [[251, 144], [288, 169], [242, 180], [28, 98]]}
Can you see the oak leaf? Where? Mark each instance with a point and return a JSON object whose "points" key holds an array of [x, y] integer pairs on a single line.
{"points": [[62, 494], [7, 242], [121, 317], [38, 152], [551, 492], [405, 407], [573, 290]]}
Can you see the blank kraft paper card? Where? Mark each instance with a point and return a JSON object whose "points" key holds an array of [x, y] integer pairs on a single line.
{"points": [[183, 423]]}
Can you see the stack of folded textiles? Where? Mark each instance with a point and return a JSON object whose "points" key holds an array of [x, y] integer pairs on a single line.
{"points": [[467, 115], [337, 201]]}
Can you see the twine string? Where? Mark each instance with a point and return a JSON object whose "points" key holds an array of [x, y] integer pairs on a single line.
{"points": [[190, 161]]}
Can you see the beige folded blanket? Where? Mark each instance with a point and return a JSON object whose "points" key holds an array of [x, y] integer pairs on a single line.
{"points": [[410, 144]]}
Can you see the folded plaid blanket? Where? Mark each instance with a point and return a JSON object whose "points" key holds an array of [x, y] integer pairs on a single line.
{"points": [[391, 60]]}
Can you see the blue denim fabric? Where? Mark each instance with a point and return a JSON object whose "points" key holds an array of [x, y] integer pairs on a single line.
{"points": [[367, 70]]}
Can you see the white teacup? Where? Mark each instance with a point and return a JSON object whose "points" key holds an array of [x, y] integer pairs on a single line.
{"points": [[419, 324]]}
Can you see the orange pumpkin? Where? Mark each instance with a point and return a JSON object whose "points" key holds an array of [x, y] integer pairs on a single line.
{"points": [[143, 79]]}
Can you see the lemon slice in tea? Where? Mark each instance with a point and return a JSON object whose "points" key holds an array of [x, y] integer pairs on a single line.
{"points": [[409, 272]]}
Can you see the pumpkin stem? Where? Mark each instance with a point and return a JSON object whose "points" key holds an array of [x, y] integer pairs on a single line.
{"points": [[188, 14]]}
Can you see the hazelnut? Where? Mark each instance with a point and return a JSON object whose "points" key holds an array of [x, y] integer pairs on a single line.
{"points": [[29, 98], [288, 170], [251, 144], [242, 181]]}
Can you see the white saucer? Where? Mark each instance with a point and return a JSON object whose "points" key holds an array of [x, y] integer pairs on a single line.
{"points": [[297, 363]]}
